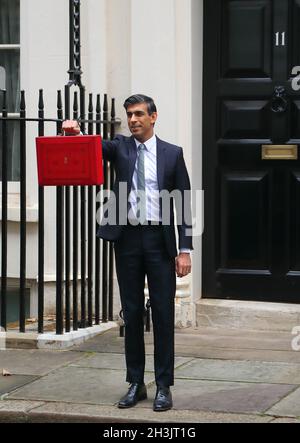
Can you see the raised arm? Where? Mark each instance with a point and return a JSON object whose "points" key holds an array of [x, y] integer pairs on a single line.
{"points": [[71, 127]]}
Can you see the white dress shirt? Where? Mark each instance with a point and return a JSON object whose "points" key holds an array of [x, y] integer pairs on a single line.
{"points": [[151, 184]]}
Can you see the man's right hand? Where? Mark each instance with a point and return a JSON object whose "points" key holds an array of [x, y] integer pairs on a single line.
{"points": [[70, 127]]}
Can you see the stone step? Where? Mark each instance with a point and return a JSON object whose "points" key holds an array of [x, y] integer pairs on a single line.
{"points": [[248, 315]]}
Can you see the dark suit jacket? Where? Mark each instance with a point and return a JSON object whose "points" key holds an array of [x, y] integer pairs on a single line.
{"points": [[171, 174]]}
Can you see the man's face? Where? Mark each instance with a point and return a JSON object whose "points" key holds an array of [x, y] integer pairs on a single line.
{"points": [[140, 123]]}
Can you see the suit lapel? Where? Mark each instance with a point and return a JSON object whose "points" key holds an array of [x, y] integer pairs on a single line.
{"points": [[160, 163], [132, 155]]}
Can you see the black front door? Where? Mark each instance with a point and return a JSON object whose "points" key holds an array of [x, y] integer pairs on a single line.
{"points": [[251, 164]]}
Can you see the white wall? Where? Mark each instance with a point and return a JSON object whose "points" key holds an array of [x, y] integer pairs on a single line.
{"points": [[119, 64]]}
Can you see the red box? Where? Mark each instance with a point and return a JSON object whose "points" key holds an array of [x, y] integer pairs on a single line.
{"points": [[69, 161]]}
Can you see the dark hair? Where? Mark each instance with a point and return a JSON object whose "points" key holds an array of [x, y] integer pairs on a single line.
{"points": [[140, 98]]}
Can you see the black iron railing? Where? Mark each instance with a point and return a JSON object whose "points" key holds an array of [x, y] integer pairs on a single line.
{"points": [[75, 206], [95, 272]]}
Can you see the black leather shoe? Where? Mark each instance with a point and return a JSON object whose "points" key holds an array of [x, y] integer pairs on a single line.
{"points": [[136, 392], [163, 399]]}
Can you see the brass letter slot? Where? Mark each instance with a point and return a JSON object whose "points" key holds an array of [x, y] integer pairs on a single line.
{"points": [[279, 152]]}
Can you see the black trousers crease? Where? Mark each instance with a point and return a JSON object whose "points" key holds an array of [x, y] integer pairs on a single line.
{"points": [[141, 252]]}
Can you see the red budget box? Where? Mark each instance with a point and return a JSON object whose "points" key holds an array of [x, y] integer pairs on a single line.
{"points": [[69, 161]]}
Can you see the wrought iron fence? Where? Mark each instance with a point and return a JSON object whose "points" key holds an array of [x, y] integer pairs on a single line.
{"points": [[76, 207]]}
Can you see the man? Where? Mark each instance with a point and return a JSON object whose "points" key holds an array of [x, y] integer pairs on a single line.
{"points": [[145, 244]]}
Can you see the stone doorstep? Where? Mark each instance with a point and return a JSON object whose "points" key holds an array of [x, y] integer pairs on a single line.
{"points": [[247, 315], [52, 341]]}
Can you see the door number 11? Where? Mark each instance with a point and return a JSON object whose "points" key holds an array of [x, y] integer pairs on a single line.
{"points": [[278, 35]]}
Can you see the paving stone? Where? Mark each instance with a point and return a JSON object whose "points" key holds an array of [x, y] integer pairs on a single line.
{"points": [[238, 354], [35, 362], [117, 361], [79, 385], [235, 339], [217, 396], [209, 343], [285, 420], [234, 343], [10, 383], [230, 332], [64, 412], [245, 371], [109, 341], [19, 406], [85, 387], [16, 411], [288, 406]]}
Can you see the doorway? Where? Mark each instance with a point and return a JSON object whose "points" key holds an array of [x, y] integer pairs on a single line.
{"points": [[251, 158]]}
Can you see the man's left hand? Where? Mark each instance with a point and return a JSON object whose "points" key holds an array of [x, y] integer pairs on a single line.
{"points": [[183, 265]]}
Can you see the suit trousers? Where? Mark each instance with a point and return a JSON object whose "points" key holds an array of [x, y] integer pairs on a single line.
{"points": [[141, 252]]}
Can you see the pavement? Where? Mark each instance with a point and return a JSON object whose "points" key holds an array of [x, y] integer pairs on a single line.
{"points": [[221, 376]]}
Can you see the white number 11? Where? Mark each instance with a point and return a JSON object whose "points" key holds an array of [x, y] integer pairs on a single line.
{"points": [[278, 38]]}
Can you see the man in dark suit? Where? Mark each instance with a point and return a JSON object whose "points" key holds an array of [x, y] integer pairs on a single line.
{"points": [[143, 233]]}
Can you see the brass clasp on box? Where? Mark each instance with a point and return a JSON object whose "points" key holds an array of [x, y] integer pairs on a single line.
{"points": [[279, 152]]}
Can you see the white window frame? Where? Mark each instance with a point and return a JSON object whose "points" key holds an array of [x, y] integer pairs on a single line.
{"points": [[13, 186]]}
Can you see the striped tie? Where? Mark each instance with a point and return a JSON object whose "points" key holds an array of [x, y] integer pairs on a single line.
{"points": [[141, 187]]}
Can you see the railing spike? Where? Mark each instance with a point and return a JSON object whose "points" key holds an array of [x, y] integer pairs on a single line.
{"points": [[98, 105], [22, 102], [91, 108], [59, 100], [41, 99]]}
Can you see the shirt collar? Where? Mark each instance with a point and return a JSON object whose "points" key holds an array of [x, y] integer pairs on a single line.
{"points": [[150, 144]]}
